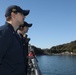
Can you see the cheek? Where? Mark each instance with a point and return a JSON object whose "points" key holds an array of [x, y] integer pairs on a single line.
{"points": [[26, 30], [19, 17]]}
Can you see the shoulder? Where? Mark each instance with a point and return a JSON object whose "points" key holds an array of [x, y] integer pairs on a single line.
{"points": [[5, 31]]}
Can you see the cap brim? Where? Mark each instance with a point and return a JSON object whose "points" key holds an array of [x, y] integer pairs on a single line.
{"points": [[25, 12], [29, 25]]}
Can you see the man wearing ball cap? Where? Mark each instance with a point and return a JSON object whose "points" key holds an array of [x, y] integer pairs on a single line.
{"points": [[11, 52]]}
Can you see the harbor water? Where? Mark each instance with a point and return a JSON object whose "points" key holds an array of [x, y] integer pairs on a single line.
{"points": [[57, 65]]}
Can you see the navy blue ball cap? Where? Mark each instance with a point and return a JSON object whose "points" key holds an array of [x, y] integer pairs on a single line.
{"points": [[15, 9], [26, 12], [27, 24]]}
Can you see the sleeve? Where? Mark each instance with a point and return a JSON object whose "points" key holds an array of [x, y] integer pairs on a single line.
{"points": [[5, 40]]}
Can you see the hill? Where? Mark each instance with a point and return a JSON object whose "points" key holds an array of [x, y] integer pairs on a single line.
{"points": [[38, 51], [68, 47]]}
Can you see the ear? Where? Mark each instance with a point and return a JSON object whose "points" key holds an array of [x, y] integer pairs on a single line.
{"points": [[13, 14], [21, 28]]}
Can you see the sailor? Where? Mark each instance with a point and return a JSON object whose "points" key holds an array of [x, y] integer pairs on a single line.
{"points": [[22, 30], [11, 53]]}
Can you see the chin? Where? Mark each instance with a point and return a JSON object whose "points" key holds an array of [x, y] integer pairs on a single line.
{"points": [[22, 23]]}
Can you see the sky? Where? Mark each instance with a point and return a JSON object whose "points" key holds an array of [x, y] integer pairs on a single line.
{"points": [[54, 21]]}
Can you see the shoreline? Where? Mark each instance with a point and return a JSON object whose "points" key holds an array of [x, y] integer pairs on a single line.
{"points": [[64, 54]]}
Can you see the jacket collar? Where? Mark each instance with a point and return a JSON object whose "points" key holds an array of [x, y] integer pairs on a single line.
{"points": [[11, 27]]}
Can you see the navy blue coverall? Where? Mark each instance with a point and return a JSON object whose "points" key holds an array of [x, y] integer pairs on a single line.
{"points": [[11, 53]]}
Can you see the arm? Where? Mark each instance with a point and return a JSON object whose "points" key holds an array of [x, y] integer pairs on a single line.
{"points": [[4, 43]]}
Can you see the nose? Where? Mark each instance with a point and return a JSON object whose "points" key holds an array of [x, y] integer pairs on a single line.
{"points": [[23, 16]]}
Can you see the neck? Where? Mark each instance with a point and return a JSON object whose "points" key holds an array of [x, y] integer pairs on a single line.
{"points": [[15, 26]]}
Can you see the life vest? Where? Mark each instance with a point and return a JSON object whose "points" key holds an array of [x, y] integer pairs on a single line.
{"points": [[30, 54]]}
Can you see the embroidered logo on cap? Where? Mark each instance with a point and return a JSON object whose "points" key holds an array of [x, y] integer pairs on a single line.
{"points": [[13, 10]]}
